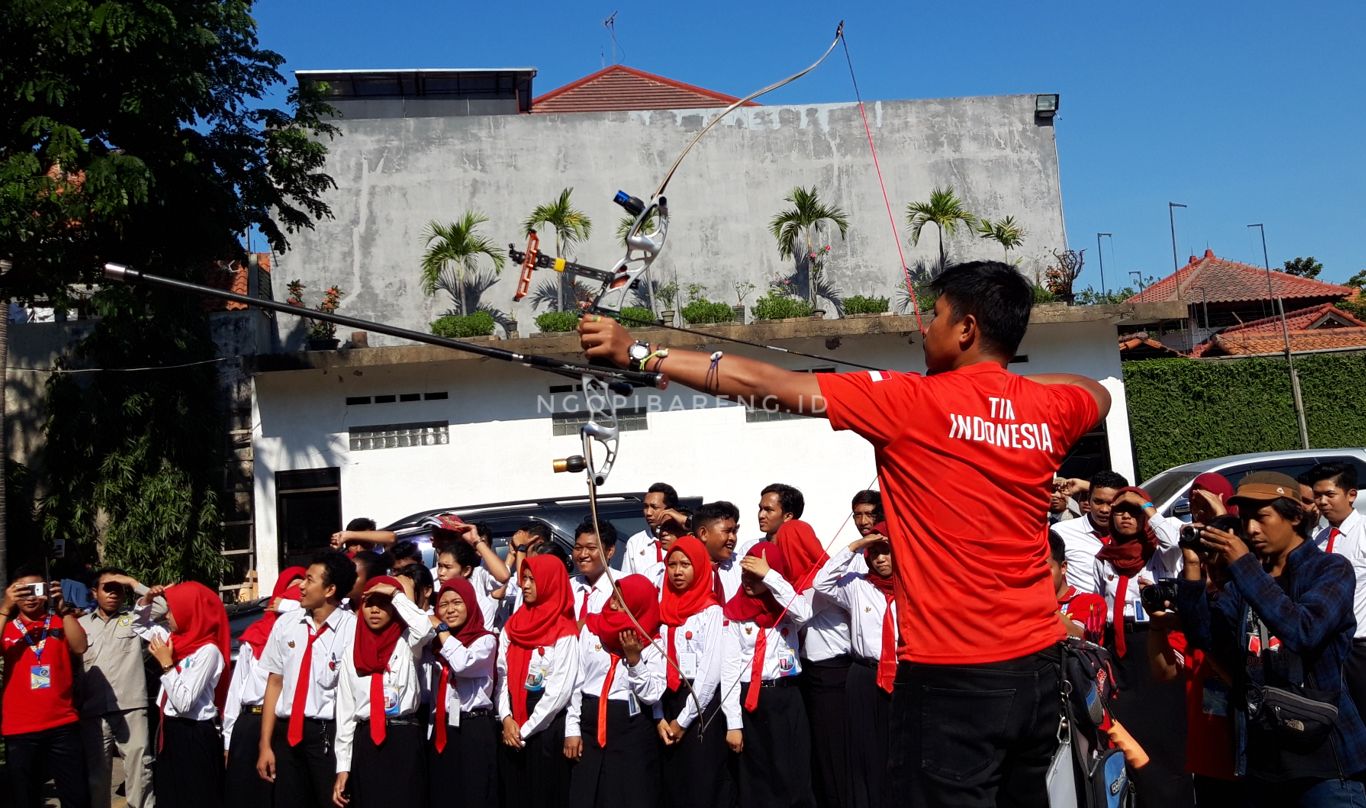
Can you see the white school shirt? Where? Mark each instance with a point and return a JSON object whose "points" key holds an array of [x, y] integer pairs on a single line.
{"points": [[698, 643], [826, 634], [473, 669], [484, 586], [1082, 541], [645, 556], [781, 654], [556, 670], [187, 690], [645, 682], [598, 593], [1351, 544], [247, 689], [402, 689], [284, 655], [845, 579], [1165, 563]]}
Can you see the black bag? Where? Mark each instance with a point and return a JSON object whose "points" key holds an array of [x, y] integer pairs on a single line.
{"points": [[1090, 683], [1085, 771], [1299, 717]]}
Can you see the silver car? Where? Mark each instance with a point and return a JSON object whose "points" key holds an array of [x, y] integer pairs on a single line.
{"points": [[1170, 490]]}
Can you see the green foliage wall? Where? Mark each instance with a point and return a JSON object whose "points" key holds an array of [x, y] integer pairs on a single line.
{"points": [[1182, 410]]}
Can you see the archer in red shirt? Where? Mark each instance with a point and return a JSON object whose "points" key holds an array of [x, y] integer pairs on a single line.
{"points": [[964, 455]]}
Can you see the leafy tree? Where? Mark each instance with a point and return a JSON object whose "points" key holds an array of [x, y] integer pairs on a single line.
{"points": [[945, 211], [571, 225], [136, 133], [1357, 281], [798, 228], [1305, 267], [1002, 231], [454, 252]]}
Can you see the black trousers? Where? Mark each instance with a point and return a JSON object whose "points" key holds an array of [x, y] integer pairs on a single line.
{"points": [[823, 686], [188, 770], [304, 774], [775, 766], [243, 786], [1354, 674], [538, 773], [697, 768], [465, 773], [1155, 714], [32, 757], [870, 706], [974, 736], [625, 773], [391, 773]]}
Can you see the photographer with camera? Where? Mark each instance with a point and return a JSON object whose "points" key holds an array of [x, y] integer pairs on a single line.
{"points": [[1282, 627]]}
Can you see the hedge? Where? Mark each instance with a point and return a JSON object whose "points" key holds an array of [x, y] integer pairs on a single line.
{"points": [[702, 312], [478, 324], [551, 322], [860, 304], [774, 306], [1182, 410]]}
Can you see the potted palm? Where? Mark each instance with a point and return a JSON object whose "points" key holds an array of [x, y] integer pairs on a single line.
{"points": [[322, 335], [798, 231], [742, 290], [667, 295]]}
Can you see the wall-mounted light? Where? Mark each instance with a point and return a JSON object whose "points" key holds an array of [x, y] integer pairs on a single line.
{"points": [[1045, 107]]}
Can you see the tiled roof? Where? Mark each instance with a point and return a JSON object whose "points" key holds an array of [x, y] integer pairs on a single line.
{"points": [[1218, 280], [1320, 322], [235, 277], [1143, 345], [622, 88], [1260, 344]]}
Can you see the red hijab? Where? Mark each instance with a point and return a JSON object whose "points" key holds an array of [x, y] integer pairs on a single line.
{"points": [[883, 585], [474, 618], [761, 609], [538, 624], [1218, 485], [373, 648], [1130, 556], [676, 607], [803, 552], [257, 633], [642, 600], [200, 620]]}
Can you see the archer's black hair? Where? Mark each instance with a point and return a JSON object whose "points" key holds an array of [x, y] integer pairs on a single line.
{"points": [[789, 499], [710, 512], [1343, 475], [607, 534], [995, 294], [869, 497], [361, 523], [338, 571], [1108, 479], [670, 495]]}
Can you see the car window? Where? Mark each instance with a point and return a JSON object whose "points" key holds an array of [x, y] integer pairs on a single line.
{"points": [[1290, 468], [1167, 485]]}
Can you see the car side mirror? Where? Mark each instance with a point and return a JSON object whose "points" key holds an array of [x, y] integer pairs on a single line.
{"points": [[1182, 507]]}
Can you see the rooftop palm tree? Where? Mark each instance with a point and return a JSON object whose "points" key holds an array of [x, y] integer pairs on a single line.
{"points": [[452, 251], [570, 224], [945, 210], [796, 229], [1002, 231]]}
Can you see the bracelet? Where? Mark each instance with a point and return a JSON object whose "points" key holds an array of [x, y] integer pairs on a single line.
{"points": [[661, 353], [712, 382], [1149, 505]]}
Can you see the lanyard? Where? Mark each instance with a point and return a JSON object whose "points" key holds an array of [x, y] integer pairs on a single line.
{"points": [[42, 641]]}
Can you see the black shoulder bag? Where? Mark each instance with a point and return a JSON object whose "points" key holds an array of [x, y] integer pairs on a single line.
{"points": [[1298, 716]]}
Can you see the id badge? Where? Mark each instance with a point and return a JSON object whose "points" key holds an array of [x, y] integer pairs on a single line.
{"points": [[1140, 616], [40, 677], [787, 663], [390, 701], [687, 661], [632, 705], [535, 681]]}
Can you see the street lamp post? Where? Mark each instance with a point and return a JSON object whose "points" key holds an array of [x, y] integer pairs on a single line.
{"points": [[1285, 335], [1176, 268], [1105, 292]]}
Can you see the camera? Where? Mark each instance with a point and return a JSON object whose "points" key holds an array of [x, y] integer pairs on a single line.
{"points": [[1156, 597], [35, 591], [1190, 538]]}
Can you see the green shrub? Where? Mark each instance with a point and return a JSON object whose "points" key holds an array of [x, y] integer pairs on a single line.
{"points": [[478, 324], [774, 306], [859, 304], [701, 312], [552, 322], [1042, 294], [637, 315]]}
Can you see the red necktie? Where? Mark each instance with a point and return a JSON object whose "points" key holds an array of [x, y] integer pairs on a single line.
{"points": [[440, 733], [612, 660], [716, 586], [674, 680], [659, 551], [1121, 590], [583, 608], [886, 662], [296, 710], [161, 722], [1333, 534], [756, 670], [377, 728]]}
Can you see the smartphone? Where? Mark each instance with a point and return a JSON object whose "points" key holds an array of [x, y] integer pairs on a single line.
{"points": [[36, 590]]}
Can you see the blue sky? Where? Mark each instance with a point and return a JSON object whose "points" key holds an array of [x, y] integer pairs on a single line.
{"points": [[1245, 111]]}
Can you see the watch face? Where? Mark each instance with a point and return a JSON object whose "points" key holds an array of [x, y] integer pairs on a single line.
{"points": [[639, 352]]}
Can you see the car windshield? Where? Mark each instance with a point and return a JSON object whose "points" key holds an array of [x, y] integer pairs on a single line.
{"points": [[1168, 484]]}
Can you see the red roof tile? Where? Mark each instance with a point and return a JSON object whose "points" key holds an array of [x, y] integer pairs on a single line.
{"points": [[1320, 321], [233, 277], [1141, 344], [1225, 281], [1260, 344], [622, 88]]}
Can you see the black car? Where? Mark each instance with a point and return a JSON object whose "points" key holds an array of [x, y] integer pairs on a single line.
{"points": [[562, 515]]}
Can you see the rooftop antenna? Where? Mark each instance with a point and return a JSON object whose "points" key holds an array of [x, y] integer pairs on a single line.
{"points": [[611, 25]]}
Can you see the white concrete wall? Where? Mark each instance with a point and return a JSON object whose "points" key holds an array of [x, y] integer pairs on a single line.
{"points": [[501, 447]]}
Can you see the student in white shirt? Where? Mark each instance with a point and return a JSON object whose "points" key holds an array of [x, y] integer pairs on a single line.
{"points": [[302, 661], [380, 759], [645, 550], [1334, 486], [459, 558], [765, 717], [591, 588], [1084, 536], [538, 668], [716, 525], [696, 774], [194, 677], [859, 577], [247, 690], [610, 727], [462, 758]]}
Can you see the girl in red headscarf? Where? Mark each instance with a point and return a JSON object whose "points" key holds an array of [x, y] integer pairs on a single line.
{"points": [[538, 665], [246, 694], [380, 760], [695, 770], [765, 719], [462, 758], [610, 728], [859, 579], [194, 682]]}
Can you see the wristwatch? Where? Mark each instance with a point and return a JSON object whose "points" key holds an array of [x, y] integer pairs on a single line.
{"points": [[440, 627], [638, 353], [521, 548]]}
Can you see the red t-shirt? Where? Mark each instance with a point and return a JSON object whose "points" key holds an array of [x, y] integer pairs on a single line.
{"points": [[1087, 610], [29, 706], [1209, 731], [964, 459]]}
